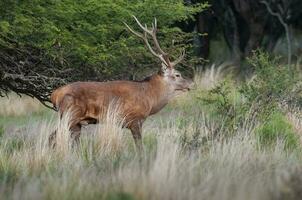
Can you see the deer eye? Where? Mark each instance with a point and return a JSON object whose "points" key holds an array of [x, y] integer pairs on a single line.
{"points": [[177, 75]]}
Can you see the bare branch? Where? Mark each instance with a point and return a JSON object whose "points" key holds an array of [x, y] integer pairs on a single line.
{"points": [[30, 71], [276, 14], [286, 28]]}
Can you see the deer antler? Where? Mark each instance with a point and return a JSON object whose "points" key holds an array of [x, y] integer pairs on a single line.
{"points": [[179, 59], [163, 56]]}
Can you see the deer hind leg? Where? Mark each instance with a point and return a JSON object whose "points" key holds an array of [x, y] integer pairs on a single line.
{"points": [[52, 139], [75, 132], [76, 115], [75, 123]]}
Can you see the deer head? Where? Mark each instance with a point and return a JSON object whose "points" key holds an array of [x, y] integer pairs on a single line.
{"points": [[173, 78]]}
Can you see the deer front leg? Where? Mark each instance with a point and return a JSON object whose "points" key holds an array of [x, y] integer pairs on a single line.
{"points": [[136, 130]]}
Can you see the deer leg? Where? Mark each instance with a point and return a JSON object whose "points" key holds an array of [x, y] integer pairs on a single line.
{"points": [[52, 139], [75, 123], [75, 135], [136, 131], [75, 132]]}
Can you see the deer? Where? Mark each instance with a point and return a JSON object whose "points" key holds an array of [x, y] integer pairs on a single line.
{"points": [[88, 101]]}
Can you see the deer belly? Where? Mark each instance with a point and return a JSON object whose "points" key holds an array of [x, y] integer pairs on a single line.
{"points": [[95, 112], [157, 108]]}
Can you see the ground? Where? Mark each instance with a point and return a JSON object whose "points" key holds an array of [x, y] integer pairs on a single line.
{"points": [[187, 156]]}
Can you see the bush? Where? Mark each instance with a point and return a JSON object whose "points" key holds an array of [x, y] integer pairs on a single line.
{"points": [[260, 99], [225, 103], [273, 84], [277, 128]]}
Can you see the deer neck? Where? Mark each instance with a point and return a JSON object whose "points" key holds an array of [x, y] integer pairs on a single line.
{"points": [[157, 93]]}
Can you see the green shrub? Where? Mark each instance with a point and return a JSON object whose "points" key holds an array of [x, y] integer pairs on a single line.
{"points": [[272, 84], [277, 128], [259, 99], [225, 104], [119, 196]]}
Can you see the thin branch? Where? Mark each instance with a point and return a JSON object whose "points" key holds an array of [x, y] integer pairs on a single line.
{"points": [[286, 28], [276, 14]]}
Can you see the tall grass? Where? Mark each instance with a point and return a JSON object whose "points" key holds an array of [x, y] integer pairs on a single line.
{"points": [[187, 157], [212, 76], [14, 105], [105, 167]]}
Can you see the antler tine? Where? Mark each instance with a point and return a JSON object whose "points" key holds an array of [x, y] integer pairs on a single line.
{"points": [[151, 32], [145, 39], [134, 32], [178, 60], [142, 27], [154, 38], [153, 52], [154, 25]]}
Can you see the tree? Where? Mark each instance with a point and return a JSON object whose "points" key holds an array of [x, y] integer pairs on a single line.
{"points": [[247, 25], [45, 44], [29, 70]]}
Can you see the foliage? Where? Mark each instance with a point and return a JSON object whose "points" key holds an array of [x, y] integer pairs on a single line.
{"points": [[273, 84], [46, 44], [277, 129], [225, 104], [92, 33], [263, 99]]}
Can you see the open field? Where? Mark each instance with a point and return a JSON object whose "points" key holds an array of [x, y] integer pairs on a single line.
{"points": [[235, 135], [189, 154]]}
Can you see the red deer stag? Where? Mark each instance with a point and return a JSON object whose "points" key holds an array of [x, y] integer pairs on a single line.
{"points": [[88, 101]]}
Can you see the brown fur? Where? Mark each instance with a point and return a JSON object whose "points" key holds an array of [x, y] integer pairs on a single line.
{"points": [[88, 101]]}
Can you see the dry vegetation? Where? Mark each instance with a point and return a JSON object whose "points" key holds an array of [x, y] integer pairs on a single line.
{"points": [[186, 157], [16, 106]]}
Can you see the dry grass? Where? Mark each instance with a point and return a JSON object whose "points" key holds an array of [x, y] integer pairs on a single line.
{"points": [[203, 81], [294, 116], [13, 105], [211, 76], [105, 166], [185, 159]]}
